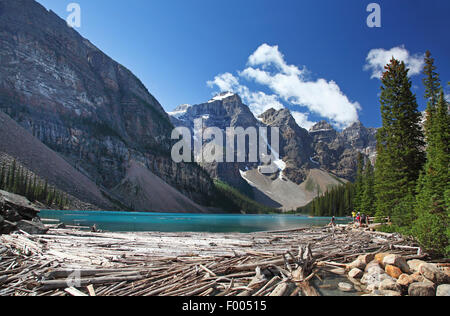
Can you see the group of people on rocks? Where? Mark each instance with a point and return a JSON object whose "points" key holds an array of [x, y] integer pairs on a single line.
{"points": [[360, 219]]}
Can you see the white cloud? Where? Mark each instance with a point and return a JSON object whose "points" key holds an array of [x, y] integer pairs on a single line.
{"points": [[378, 58], [225, 82], [267, 55], [321, 97], [258, 102], [303, 120], [268, 67]]}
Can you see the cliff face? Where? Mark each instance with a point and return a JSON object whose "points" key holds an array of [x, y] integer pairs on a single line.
{"points": [[295, 144], [224, 111], [79, 102], [337, 152]]}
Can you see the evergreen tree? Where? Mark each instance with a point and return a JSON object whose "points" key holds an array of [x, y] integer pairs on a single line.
{"points": [[399, 145], [368, 194], [359, 184], [432, 208], [432, 88], [3, 176]]}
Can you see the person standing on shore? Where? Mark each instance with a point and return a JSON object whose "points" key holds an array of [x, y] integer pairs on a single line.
{"points": [[358, 219], [333, 222]]}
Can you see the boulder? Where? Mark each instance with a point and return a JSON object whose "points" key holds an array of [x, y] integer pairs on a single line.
{"points": [[414, 265], [393, 271], [405, 280], [345, 287], [447, 271], [417, 277], [373, 264], [8, 227], [20, 204], [390, 285], [398, 261], [356, 273], [12, 215], [443, 290], [32, 227], [372, 287], [374, 276], [366, 259], [432, 273], [357, 284], [421, 289], [17, 213], [379, 257], [357, 264]]}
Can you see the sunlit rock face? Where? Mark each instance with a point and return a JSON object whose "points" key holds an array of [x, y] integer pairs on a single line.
{"points": [[82, 104]]}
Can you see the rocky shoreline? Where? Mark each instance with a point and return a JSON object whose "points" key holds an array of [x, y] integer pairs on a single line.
{"points": [[19, 214], [282, 263], [386, 274], [375, 263]]}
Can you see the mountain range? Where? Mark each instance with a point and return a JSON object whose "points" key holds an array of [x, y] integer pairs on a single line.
{"points": [[311, 161], [72, 115]]}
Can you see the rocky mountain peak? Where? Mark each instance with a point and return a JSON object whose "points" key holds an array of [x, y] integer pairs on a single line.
{"points": [[281, 117], [322, 126], [224, 110], [226, 97]]}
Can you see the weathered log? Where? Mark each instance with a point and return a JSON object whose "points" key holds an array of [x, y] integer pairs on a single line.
{"points": [[58, 284], [74, 292]]}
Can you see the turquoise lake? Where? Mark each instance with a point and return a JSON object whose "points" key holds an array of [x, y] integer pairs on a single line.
{"points": [[161, 222]]}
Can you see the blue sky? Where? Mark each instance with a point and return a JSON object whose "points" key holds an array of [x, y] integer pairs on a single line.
{"points": [[307, 55]]}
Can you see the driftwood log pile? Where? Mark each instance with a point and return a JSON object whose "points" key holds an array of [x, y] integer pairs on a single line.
{"points": [[73, 262]]}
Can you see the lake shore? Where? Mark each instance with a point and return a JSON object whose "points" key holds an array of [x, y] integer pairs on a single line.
{"points": [[76, 262]]}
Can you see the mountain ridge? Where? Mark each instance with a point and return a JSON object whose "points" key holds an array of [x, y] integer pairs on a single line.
{"points": [[310, 161], [83, 105]]}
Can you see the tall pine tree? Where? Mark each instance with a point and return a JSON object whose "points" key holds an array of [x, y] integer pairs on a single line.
{"points": [[432, 208], [399, 145], [432, 88], [359, 184], [368, 193]]}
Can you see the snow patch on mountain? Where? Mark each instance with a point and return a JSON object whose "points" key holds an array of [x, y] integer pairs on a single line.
{"points": [[221, 97]]}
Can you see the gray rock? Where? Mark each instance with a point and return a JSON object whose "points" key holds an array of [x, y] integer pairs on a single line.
{"points": [[31, 227], [432, 273], [397, 261], [421, 289], [366, 258], [12, 215], [356, 273], [345, 287], [8, 227], [390, 285], [357, 264], [17, 207], [374, 276], [415, 264], [443, 290]]}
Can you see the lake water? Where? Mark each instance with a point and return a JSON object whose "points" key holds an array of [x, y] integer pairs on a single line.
{"points": [[161, 222]]}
